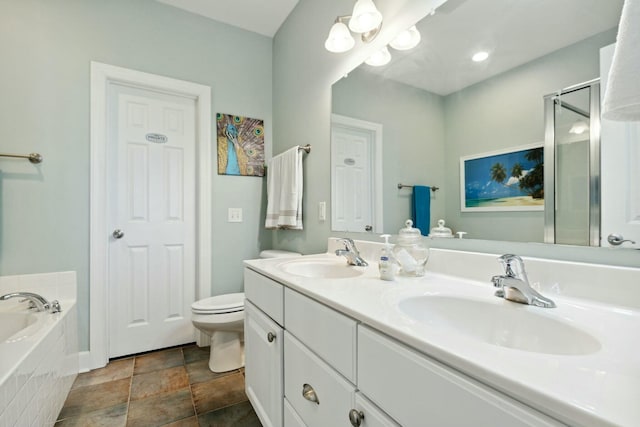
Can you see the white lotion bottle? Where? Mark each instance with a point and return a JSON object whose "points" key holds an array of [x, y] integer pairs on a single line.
{"points": [[386, 264]]}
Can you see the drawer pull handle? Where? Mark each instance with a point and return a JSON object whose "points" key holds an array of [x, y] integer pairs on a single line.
{"points": [[356, 417], [310, 394], [271, 337]]}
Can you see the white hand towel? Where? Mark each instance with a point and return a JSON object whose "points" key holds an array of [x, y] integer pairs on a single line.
{"points": [[622, 95], [284, 190]]}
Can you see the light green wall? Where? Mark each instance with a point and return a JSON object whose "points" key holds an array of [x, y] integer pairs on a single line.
{"points": [[45, 49], [303, 74], [413, 138], [507, 111]]}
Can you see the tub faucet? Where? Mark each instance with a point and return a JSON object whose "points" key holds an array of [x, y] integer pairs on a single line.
{"points": [[514, 285], [36, 301], [351, 253]]}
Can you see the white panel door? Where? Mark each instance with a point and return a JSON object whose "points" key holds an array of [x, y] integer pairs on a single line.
{"points": [[620, 169], [151, 180], [352, 181]]}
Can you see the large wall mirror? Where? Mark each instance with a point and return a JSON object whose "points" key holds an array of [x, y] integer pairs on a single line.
{"points": [[433, 105]]}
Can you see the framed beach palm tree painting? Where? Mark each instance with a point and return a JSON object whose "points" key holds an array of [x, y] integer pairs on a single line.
{"points": [[503, 180]]}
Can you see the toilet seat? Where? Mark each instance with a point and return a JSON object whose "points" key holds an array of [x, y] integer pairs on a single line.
{"points": [[220, 304]]}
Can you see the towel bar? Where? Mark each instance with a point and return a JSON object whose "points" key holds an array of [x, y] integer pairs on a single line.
{"points": [[33, 157], [401, 186]]}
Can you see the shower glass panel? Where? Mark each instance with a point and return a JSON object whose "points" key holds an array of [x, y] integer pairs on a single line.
{"points": [[572, 166]]}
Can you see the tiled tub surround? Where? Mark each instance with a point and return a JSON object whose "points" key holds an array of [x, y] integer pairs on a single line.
{"points": [[38, 364], [596, 389]]}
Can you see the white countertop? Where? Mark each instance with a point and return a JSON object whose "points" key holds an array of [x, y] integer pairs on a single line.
{"points": [[597, 389]]}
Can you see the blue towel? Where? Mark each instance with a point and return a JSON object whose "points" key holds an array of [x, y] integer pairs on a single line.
{"points": [[421, 208]]}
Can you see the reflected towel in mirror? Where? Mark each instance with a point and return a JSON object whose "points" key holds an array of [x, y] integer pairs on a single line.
{"points": [[421, 208]]}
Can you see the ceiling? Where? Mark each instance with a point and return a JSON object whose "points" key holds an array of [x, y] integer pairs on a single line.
{"points": [[260, 16], [513, 32]]}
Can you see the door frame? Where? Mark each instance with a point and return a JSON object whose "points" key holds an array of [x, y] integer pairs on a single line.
{"points": [[102, 75], [376, 167]]}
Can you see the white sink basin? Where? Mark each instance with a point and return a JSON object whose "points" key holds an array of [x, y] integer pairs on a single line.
{"points": [[321, 269], [501, 323]]}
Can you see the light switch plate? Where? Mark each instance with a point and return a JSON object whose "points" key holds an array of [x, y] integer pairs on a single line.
{"points": [[235, 215], [322, 211]]}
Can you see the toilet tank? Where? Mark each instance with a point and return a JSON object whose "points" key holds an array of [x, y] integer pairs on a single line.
{"points": [[275, 253]]}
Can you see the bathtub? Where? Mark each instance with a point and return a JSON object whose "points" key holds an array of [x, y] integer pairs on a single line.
{"points": [[38, 351]]}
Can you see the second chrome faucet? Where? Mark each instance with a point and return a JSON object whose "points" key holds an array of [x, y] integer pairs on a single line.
{"points": [[351, 253], [514, 285]]}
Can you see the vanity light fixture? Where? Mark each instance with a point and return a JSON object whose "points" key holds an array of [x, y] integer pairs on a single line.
{"points": [[408, 39], [380, 58], [480, 56], [365, 20]]}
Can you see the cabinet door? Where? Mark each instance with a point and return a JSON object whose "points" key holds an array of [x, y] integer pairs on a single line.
{"points": [[370, 415], [318, 394], [263, 346], [291, 418]]}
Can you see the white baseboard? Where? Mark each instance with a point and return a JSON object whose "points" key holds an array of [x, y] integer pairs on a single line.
{"points": [[87, 362]]}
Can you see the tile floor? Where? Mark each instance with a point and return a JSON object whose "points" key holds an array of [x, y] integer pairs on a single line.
{"points": [[172, 387]]}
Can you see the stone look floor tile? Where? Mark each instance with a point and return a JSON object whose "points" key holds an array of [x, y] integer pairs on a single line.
{"points": [[158, 382], [193, 353], [186, 422], [240, 415], [160, 409], [218, 393], [115, 416], [199, 372], [115, 370], [158, 360], [93, 397]]}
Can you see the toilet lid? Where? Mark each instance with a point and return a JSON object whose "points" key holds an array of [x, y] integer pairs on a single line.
{"points": [[220, 304]]}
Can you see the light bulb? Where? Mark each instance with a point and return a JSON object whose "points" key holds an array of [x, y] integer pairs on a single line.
{"points": [[408, 39], [339, 39], [381, 57], [365, 17]]}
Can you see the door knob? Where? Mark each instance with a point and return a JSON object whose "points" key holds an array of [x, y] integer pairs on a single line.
{"points": [[617, 239], [118, 234]]}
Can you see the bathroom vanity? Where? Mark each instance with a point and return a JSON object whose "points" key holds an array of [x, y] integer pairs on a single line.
{"points": [[330, 345]]}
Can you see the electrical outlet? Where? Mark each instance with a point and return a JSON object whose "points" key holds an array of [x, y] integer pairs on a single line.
{"points": [[235, 215]]}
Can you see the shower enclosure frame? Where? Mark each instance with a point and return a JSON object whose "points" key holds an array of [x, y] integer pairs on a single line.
{"points": [[550, 166]]}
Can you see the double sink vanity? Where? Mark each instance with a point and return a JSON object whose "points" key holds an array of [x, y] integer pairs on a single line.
{"points": [[329, 344]]}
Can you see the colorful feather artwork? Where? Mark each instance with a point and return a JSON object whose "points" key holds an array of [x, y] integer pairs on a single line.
{"points": [[240, 145]]}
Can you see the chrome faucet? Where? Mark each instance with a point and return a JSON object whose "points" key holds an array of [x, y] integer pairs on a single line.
{"points": [[514, 285], [351, 253], [36, 301]]}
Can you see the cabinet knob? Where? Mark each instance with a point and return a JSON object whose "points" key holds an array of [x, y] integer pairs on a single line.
{"points": [[356, 417], [310, 394], [271, 337]]}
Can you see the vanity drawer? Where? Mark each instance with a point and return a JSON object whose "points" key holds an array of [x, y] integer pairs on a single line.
{"points": [[266, 294], [335, 395], [291, 418], [331, 335], [389, 373]]}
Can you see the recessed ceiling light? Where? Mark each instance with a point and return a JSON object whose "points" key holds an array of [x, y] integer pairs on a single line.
{"points": [[480, 56]]}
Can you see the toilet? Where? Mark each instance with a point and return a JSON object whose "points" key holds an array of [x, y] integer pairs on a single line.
{"points": [[222, 317]]}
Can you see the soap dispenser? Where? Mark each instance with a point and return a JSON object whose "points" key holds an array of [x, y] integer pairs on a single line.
{"points": [[387, 264], [410, 251]]}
